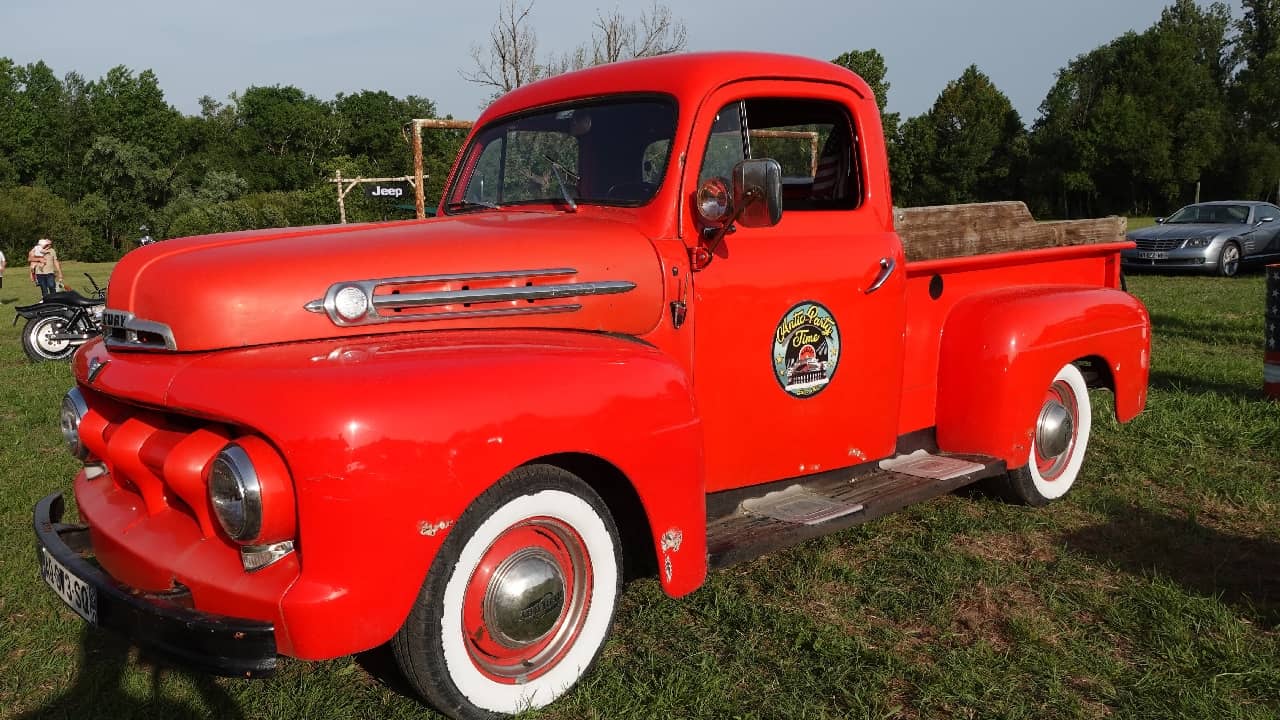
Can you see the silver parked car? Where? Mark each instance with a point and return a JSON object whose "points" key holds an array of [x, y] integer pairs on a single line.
{"points": [[1213, 237]]}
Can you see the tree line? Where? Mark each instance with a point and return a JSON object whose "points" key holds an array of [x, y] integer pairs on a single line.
{"points": [[1131, 128]]}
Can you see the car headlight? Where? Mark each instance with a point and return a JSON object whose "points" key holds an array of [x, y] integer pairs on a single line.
{"points": [[236, 493], [251, 492], [73, 411], [1199, 242]]}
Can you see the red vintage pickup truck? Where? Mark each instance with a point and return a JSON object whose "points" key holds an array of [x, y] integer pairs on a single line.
{"points": [[666, 319]]}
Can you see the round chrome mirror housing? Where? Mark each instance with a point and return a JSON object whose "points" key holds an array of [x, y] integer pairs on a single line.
{"points": [[714, 202]]}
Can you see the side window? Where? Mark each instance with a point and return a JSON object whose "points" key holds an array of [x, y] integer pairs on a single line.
{"points": [[654, 161], [814, 141], [726, 147], [1270, 211]]}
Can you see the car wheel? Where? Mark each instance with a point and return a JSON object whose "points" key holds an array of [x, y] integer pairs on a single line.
{"points": [[38, 342], [1229, 260], [518, 602], [1059, 441]]}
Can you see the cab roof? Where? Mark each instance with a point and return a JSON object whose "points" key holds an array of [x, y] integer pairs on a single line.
{"points": [[687, 76]]}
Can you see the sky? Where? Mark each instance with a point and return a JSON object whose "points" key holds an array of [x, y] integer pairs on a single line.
{"points": [[419, 48]]}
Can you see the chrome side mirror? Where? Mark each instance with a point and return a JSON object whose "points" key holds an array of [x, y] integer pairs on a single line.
{"points": [[1266, 220], [1159, 221], [757, 192]]}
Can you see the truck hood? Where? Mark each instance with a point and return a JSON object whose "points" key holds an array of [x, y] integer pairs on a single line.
{"points": [[1186, 231], [492, 269]]}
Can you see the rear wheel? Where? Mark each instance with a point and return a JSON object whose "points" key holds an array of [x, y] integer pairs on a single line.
{"points": [[1229, 260], [1059, 442], [38, 341], [519, 600]]}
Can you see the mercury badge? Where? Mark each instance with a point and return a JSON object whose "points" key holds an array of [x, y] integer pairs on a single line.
{"points": [[806, 349]]}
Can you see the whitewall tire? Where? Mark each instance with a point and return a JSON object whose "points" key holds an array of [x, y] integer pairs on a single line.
{"points": [[519, 600], [1060, 439]]}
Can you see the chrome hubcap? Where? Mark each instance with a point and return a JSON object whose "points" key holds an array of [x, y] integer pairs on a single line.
{"points": [[525, 598], [1054, 429]]}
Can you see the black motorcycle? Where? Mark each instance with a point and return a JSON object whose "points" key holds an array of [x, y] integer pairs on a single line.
{"points": [[61, 322]]}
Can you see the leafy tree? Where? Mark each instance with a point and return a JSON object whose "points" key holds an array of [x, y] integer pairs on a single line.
{"points": [[133, 110], [1253, 161], [132, 182], [283, 137], [1131, 126], [969, 147], [30, 212]]}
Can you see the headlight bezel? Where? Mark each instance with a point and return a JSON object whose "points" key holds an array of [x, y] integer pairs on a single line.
{"points": [[235, 489], [70, 415]]}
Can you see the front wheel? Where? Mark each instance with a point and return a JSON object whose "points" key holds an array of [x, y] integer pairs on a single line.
{"points": [[1229, 260], [1059, 441], [518, 602], [38, 340]]}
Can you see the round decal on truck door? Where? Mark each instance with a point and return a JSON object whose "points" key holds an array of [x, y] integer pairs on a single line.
{"points": [[806, 349]]}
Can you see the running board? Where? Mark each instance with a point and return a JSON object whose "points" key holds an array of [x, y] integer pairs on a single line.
{"points": [[787, 513]]}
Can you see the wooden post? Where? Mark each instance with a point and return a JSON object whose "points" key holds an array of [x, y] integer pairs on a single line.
{"points": [[419, 198], [1197, 191], [342, 197]]}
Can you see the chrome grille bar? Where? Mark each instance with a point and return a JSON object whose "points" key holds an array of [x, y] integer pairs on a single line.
{"points": [[539, 292], [384, 308]]}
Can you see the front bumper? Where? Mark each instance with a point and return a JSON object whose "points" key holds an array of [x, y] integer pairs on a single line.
{"points": [[1203, 259], [217, 644]]}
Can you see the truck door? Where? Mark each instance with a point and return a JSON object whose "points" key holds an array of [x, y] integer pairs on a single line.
{"points": [[798, 328]]}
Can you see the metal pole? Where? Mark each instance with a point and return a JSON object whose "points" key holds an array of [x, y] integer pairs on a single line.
{"points": [[1197, 191]]}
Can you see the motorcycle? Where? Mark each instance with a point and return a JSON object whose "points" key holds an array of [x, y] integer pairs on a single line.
{"points": [[61, 322]]}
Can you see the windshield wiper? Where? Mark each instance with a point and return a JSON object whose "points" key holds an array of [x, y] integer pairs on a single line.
{"points": [[556, 167], [468, 205]]}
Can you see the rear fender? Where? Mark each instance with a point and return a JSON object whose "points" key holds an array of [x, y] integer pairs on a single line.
{"points": [[389, 440], [1000, 350]]}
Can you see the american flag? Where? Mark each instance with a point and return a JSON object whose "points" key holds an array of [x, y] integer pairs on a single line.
{"points": [[831, 181]]}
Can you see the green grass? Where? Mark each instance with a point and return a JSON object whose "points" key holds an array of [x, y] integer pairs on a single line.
{"points": [[1152, 591]]}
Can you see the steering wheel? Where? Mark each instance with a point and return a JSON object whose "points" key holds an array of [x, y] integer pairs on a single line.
{"points": [[634, 190]]}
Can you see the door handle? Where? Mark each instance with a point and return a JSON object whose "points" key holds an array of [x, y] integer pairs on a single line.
{"points": [[887, 266]]}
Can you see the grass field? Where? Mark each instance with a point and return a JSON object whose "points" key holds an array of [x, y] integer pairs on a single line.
{"points": [[1152, 591]]}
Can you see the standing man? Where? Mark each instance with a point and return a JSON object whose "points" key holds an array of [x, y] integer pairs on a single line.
{"points": [[49, 271]]}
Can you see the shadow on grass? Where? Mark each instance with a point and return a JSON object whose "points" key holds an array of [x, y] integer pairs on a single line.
{"points": [[97, 690], [381, 665], [1178, 383], [1243, 571], [1196, 330]]}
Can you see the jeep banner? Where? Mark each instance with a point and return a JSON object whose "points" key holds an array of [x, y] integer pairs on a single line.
{"points": [[391, 190]]}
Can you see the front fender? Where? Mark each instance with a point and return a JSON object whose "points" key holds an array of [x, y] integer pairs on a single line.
{"points": [[390, 439], [1000, 350]]}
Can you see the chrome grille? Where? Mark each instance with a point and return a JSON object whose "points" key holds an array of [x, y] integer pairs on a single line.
{"points": [[1159, 244]]}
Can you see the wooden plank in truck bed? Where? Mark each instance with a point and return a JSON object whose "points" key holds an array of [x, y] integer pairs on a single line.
{"points": [[947, 231]]}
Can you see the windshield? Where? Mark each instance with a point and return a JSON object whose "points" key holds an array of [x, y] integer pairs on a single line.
{"points": [[1210, 214], [608, 153]]}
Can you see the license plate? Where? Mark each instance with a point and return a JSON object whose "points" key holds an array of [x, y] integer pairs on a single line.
{"points": [[79, 595], [1151, 255]]}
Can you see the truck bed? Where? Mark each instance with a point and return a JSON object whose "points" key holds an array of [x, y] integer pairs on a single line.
{"points": [[951, 231]]}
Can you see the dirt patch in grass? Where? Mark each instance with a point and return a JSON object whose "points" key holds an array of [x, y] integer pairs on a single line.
{"points": [[1009, 547], [987, 613]]}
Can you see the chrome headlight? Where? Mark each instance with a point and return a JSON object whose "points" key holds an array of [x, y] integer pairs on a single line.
{"points": [[1199, 242], [236, 493], [73, 410]]}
